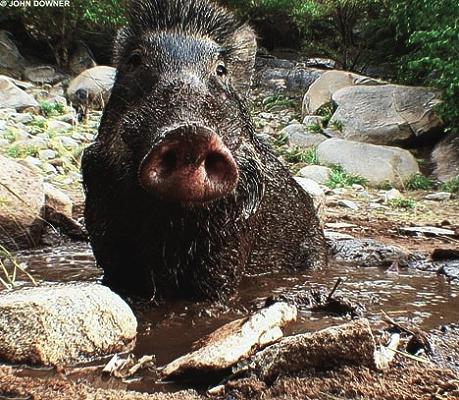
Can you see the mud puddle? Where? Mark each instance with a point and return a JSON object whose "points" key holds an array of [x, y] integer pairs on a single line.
{"points": [[168, 331]]}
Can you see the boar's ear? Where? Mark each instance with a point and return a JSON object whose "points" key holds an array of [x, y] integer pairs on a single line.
{"points": [[243, 57], [118, 45]]}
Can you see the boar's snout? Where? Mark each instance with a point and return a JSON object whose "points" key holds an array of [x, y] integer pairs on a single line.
{"points": [[190, 164]]}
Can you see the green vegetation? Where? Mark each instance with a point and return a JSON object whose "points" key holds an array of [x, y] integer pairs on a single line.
{"points": [[297, 155], [314, 128], [336, 125], [61, 27], [340, 178], [451, 186], [419, 182], [21, 151], [10, 268], [402, 203], [51, 109], [279, 102], [430, 30], [326, 111]]}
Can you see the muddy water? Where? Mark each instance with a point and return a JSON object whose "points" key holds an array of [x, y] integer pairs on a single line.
{"points": [[169, 330]]}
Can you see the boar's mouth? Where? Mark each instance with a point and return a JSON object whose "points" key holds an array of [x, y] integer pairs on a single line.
{"points": [[190, 164]]}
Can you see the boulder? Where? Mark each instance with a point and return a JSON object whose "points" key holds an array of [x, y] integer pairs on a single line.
{"points": [[63, 324], [42, 74], [286, 77], [386, 114], [12, 96], [378, 164], [314, 190], [318, 173], [11, 61], [348, 344], [298, 135], [57, 200], [21, 205], [321, 91], [92, 87], [445, 157]]}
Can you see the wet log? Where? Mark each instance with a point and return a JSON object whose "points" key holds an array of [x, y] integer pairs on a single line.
{"points": [[349, 344], [227, 345]]}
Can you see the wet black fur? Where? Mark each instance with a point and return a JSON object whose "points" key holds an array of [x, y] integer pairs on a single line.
{"points": [[154, 248]]}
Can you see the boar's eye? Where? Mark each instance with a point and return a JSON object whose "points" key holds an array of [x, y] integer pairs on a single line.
{"points": [[221, 70], [134, 60]]}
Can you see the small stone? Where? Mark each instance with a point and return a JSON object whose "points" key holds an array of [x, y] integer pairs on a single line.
{"points": [[317, 173], [58, 200], [314, 190], [2, 125], [32, 160], [348, 204], [59, 125], [339, 191], [49, 168], [70, 118], [68, 142], [438, 196], [47, 154], [266, 115], [392, 194], [357, 187], [23, 118], [313, 120]]}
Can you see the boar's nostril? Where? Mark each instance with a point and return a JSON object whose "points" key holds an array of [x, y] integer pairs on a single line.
{"points": [[216, 166], [169, 161]]}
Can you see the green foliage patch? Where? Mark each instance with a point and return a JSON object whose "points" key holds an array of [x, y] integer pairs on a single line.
{"points": [[340, 178], [419, 182], [451, 186]]}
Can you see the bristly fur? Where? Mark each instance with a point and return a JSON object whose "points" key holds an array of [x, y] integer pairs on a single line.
{"points": [[187, 16]]}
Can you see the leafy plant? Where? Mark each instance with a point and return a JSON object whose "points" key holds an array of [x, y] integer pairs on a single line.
{"points": [[451, 186], [340, 178], [276, 101], [430, 29], [402, 203], [51, 109], [326, 111], [419, 182], [298, 155], [314, 128]]}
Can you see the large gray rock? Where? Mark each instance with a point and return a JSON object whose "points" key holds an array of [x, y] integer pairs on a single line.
{"points": [[378, 164], [22, 199], [42, 74], [446, 158], [322, 90], [13, 97], [11, 61], [92, 87], [63, 324], [298, 135], [291, 79], [385, 114]]}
